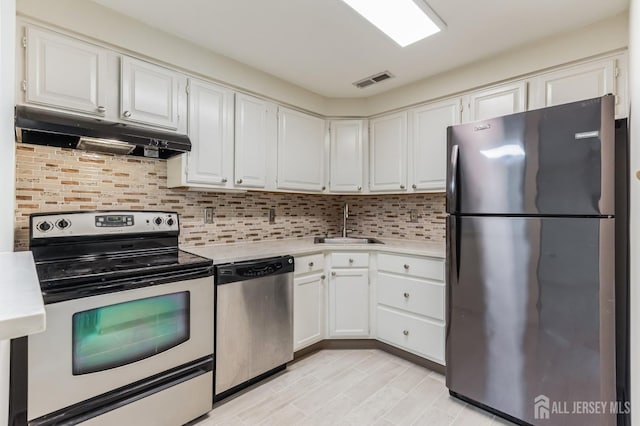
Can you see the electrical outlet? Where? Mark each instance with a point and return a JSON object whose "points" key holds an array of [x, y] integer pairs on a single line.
{"points": [[413, 216], [208, 215], [272, 216]]}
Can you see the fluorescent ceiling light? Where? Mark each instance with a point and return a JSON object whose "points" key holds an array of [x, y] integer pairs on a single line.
{"points": [[402, 20]]}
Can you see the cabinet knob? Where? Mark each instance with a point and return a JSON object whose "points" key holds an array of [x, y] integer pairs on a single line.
{"points": [[324, 187], [414, 186], [333, 274], [323, 276], [405, 332], [127, 114], [101, 108], [350, 260], [406, 266], [239, 181], [224, 180], [359, 188], [402, 186], [406, 295], [310, 264]]}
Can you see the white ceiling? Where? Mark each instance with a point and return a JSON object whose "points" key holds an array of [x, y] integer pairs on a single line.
{"points": [[325, 46]]}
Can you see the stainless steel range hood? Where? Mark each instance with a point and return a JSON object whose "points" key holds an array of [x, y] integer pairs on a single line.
{"points": [[42, 127]]}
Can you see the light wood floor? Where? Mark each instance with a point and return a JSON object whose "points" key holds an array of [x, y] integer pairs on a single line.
{"points": [[349, 387]]}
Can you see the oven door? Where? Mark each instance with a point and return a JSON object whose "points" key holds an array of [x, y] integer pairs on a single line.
{"points": [[96, 344]]}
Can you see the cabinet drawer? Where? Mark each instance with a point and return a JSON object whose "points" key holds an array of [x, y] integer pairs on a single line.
{"points": [[414, 334], [310, 263], [414, 266], [350, 260], [410, 294]]}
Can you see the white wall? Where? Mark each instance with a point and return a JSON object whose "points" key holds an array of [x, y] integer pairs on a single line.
{"points": [[7, 166], [634, 187]]}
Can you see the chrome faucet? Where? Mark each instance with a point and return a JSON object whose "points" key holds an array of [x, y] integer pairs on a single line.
{"points": [[345, 216]]}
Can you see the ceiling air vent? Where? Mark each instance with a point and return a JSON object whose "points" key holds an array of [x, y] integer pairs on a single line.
{"points": [[373, 79]]}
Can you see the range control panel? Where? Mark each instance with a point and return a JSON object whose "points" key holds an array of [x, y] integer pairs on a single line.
{"points": [[101, 223]]}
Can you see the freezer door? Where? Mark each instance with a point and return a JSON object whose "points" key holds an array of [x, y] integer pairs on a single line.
{"points": [[554, 161], [530, 315]]}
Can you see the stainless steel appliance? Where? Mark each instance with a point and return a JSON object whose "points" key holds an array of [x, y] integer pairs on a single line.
{"points": [[42, 127], [254, 321], [129, 337], [537, 260]]}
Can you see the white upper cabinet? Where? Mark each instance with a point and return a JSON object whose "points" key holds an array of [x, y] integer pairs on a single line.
{"points": [[301, 151], [66, 73], [256, 135], [211, 132], [576, 83], [428, 143], [388, 153], [347, 156], [149, 94], [496, 101]]}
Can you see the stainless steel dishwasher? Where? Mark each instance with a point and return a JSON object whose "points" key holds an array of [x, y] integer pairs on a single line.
{"points": [[254, 321]]}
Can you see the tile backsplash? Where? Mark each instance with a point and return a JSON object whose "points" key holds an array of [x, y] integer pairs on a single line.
{"points": [[58, 179]]}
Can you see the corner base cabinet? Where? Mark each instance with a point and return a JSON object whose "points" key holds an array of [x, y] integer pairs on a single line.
{"points": [[349, 295]]}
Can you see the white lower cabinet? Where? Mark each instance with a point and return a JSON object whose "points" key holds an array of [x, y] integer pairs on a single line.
{"points": [[309, 300], [308, 312], [411, 332], [349, 302], [410, 304]]}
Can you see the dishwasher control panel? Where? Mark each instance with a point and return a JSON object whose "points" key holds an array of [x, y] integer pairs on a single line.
{"points": [[242, 271]]}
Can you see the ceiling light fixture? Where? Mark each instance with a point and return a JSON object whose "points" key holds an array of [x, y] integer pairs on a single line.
{"points": [[403, 20]]}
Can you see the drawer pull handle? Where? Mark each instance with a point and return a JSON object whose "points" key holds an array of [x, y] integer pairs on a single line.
{"points": [[405, 332], [333, 274], [350, 260], [310, 264], [406, 295], [127, 114], [406, 266]]}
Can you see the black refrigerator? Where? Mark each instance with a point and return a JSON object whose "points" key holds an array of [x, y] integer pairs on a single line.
{"points": [[537, 260]]}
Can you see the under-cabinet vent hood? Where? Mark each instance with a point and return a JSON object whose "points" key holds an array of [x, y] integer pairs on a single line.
{"points": [[42, 127]]}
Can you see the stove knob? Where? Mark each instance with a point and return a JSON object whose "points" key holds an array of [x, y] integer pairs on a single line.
{"points": [[63, 224], [158, 221], [170, 222], [44, 226]]}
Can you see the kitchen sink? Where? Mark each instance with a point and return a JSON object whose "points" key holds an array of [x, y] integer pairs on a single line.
{"points": [[346, 240]]}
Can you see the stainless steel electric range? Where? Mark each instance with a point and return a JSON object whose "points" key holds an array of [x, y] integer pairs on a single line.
{"points": [[130, 324]]}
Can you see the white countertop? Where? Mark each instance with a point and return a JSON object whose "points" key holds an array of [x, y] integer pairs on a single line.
{"points": [[237, 252], [21, 305]]}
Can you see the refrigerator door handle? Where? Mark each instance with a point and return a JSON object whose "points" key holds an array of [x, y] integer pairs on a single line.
{"points": [[452, 188]]}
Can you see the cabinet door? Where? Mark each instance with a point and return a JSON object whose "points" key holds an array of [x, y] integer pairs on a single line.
{"points": [[256, 133], [300, 151], [497, 101], [349, 303], [308, 310], [585, 81], [347, 156], [65, 73], [388, 153], [211, 132], [148, 94], [428, 143]]}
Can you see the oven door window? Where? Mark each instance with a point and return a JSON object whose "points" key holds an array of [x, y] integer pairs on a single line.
{"points": [[115, 335]]}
